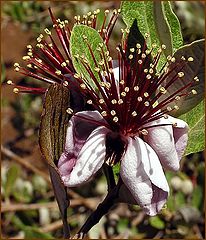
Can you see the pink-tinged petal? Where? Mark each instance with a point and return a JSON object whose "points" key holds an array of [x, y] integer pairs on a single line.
{"points": [[161, 139], [142, 173], [180, 133], [78, 131], [89, 160]]}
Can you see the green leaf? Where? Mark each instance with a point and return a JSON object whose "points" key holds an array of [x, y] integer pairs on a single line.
{"points": [[196, 121], [158, 20], [11, 176], [177, 40], [80, 47], [33, 232], [156, 222], [116, 170], [191, 70], [54, 122], [197, 197]]}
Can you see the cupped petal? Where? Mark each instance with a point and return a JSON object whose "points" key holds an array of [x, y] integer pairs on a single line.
{"points": [[142, 174], [89, 160], [180, 133], [78, 131], [161, 139]]}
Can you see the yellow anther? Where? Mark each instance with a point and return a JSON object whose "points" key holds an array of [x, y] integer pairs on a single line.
{"points": [[16, 65], [101, 100], [120, 101], [106, 11], [123, 94], [196, 79], [134, 113], [173, 59], [144, 132], [26, 58], [77, 75], [69, 111], [115, 119], [10, 82], [83, 86], [194, 91], [163, 46], [136, 88], [145, 70], [148, 76], [140, 61], [113, 112], [183, 58], [146, 94], [47, 31], [163, 90], [146, 104], [169, 108], [180, 74], [89, 101], [190, 59], [58, 72], [65, 83], [17, 69], [108, 85], [154, 45], [130, 56], [97, 69], [63, 64], [143, 55], [122, 82], [132, 50], [139, 99], [177, 98], [114, 101], [126, 89], [104, 113], [169, 57], [176, 107], [147, 52], [16, 90], [151, 70], [138, 45], [29, 46], [29, 65]]}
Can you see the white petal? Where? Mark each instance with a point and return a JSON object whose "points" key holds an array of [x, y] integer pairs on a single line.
{"points": [[161, 139], [89, 160], [78, 131], [180, 132], [143, 175]]}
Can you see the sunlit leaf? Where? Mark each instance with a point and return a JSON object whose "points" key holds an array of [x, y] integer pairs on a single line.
{"points": [[156, 19], [79, 47], [196, 121]]}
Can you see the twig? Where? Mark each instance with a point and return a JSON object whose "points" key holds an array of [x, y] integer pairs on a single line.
{"points": [[24, 163], [24, 207]]}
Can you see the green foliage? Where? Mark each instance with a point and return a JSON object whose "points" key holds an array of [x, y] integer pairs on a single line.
{"points": [[79, 46], [196, 121], [158, 20], [157, 222], [11, 177]]}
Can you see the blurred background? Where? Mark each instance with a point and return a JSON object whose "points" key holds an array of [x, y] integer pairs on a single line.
{"points": [[28, 206]]}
